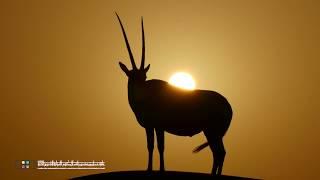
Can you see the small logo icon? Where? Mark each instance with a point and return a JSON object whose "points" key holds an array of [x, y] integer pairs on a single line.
{"points": [[25, 164]]}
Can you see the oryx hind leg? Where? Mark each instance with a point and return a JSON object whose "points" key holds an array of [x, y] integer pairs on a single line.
{"points": [[222, 154], [218, 151]]}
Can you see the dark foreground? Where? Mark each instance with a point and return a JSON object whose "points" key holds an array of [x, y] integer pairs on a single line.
{"points": [[138, 174]]}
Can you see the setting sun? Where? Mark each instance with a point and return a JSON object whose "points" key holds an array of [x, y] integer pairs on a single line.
{"points": [[182, 80]]}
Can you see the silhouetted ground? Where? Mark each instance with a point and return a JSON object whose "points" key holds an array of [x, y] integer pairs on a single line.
{"points": [[137, 174]]}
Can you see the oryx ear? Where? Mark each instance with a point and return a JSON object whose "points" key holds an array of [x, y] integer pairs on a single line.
{"points": [[124, 68], [147, 68]]}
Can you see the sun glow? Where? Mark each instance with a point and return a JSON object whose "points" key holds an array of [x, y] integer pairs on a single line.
{"points": [[182, 80]]}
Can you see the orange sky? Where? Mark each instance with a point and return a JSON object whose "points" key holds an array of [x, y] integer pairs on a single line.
{"points": [[63, 95]]}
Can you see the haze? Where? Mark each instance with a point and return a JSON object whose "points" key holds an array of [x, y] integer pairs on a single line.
{"points": [[63, 95]]}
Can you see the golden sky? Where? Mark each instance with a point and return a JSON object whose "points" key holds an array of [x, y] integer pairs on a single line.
{"points": [[63, 95]]}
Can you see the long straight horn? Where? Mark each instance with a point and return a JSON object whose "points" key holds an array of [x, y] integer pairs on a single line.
{"points": [[127, 44], [143, 46]]}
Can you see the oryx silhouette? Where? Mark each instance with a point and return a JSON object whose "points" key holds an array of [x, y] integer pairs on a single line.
{"points": [[160, 107]]}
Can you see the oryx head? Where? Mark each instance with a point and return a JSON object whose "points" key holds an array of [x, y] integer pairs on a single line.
{"points": [[135, 74]]}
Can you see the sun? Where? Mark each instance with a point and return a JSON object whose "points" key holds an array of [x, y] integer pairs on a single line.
{"points": [[182, 80]]}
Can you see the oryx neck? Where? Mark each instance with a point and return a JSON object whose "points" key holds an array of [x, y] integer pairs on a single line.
{"points": [[136, 92]]}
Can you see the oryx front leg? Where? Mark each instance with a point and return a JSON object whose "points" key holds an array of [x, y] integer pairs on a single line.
{"points": [[160, 140], [150, 144]]}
